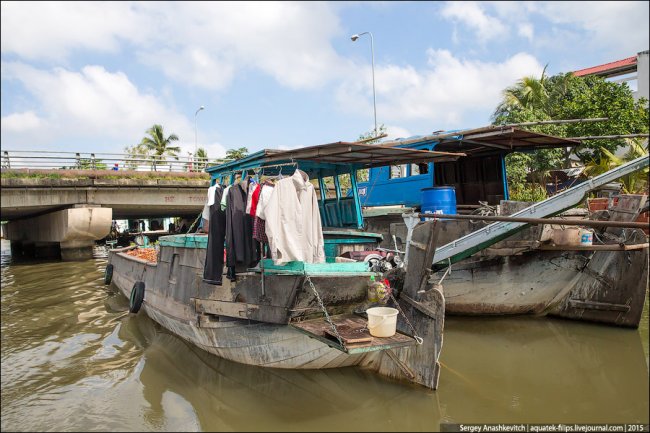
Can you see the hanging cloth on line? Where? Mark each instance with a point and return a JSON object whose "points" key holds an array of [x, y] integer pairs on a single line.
{"points": [[293, 224]]}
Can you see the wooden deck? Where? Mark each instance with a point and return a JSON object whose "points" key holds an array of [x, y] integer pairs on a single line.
{"points": [[354, 333]]}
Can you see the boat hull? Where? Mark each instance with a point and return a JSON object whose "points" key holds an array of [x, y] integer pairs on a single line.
{"points": [[603, 286], [207, 316], [243, 341]]}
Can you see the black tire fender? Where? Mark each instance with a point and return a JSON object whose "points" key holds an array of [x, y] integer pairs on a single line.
{"points": [[137, 297], [108, 274]]}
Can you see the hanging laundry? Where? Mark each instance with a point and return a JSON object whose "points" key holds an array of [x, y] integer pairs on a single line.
{"points": [[255, 197], [293, 224], [214, 260], [209, 202], [253, 186], [224, 198], [240, 247]]}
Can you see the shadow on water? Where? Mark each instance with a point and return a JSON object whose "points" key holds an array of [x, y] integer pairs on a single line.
{"points": [[73, 359]]}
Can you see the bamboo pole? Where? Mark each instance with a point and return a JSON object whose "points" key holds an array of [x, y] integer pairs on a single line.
{"points": [[535, 221]]}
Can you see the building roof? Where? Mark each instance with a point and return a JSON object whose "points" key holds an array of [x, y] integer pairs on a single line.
{"points": [[611, 69]]}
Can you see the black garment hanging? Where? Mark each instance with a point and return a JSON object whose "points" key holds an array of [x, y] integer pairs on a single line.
{"points": [[213, 269], [240, 246]]}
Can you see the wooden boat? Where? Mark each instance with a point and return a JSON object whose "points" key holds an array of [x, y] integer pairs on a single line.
{"points": [[604, 283], [297, 315]]}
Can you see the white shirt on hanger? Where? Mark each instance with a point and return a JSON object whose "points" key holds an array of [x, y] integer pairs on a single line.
{"points": [[293, 223], [210, 201]]}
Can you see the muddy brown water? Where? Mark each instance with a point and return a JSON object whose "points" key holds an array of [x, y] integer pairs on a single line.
{"points": [[73, 359]]}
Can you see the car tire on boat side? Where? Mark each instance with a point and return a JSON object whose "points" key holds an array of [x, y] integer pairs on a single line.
{"points": [[137, 296], [108, 274]]}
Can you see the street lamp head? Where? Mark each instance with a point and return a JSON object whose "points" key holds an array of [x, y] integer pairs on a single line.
{"points": [[201, 107], [354, 37]]}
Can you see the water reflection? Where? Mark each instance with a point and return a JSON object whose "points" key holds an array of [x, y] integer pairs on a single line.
{"points": [[73, 359], [542, 370]]}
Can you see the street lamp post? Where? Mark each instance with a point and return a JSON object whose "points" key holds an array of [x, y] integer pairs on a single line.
{"points": [[372, 52], [195, 134]]}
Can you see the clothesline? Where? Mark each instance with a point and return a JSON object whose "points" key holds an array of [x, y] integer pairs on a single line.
{"points": [[257, 170]]}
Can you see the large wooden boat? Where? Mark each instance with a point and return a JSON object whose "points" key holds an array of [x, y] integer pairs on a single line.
{"points": [[297, 315], [604, 282], [517, 272]]}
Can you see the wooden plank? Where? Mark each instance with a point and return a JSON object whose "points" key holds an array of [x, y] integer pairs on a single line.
{"points": [[612, 247], [351, 332], [602, 306], [242, 310], [320, 329]]}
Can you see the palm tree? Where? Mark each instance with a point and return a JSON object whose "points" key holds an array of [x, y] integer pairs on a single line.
{"points": [[529, 93], [633, 183], [201, 158], [236, 153], [158, 144]]}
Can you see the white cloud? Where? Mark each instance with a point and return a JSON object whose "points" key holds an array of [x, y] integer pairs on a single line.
{"points": [[52, 30], [475, 17], [199, 43], [526, 30], [445, 93], [21, 122], [394, 132], [214, 150], [619, 25], [92, 104]]}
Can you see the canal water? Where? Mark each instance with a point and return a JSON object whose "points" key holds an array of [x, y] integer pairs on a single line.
{"points": [[73, 359]]}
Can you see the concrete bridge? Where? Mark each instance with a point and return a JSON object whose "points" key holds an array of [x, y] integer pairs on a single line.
{"points": [[67, 210]]}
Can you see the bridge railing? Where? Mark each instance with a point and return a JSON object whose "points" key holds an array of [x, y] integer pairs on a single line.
{"points": [[36, 159]]}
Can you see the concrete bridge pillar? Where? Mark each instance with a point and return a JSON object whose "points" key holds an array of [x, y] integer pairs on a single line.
{"points": [[70, 232]]}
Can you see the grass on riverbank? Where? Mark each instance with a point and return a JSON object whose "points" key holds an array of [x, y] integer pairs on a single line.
{"points": [[101, 174]]}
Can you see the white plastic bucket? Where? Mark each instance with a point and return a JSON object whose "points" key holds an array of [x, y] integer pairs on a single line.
{"points": [[586, 237], [382, 321]]}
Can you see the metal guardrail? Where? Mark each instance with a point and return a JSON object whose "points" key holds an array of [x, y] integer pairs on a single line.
{"points": [[48, 160]]}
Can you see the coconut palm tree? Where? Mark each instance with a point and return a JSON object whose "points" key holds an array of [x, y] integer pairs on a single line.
{"points": [[201, 158], [529, 93], [159, 145], [633, 183], [236, 153]]}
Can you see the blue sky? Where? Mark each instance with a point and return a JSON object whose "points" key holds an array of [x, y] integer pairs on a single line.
{"points": [[94, 76]]}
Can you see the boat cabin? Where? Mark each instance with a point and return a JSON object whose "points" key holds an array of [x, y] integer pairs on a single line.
{"points": [[478, 176], [332, 169]]}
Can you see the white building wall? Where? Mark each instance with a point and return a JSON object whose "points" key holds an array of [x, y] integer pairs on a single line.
{"points": [[643, 79]]}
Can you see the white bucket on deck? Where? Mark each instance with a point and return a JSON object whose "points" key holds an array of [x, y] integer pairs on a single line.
{"points": [[586, 237], [382, 321]]}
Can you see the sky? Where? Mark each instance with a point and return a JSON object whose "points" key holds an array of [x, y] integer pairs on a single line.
{"points": [[94, 76]]}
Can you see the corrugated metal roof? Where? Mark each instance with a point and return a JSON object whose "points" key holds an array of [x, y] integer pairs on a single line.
{"points": [[362, 155], [334, 155], [612, 68], [488, 139]]}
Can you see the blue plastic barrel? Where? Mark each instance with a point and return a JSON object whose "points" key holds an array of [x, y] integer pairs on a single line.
{"points": [[438, 199]]}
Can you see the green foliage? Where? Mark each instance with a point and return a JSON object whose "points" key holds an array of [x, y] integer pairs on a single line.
{"points": [[634, 183], [364, 174], [135, 155], [565, 96], [381, 130], [159, 145], [87, 164], [591, 96], [528, 192], [235, 154]]}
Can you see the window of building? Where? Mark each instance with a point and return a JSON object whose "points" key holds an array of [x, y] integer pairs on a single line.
{"points": [[397, 171], [421, 168]]}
